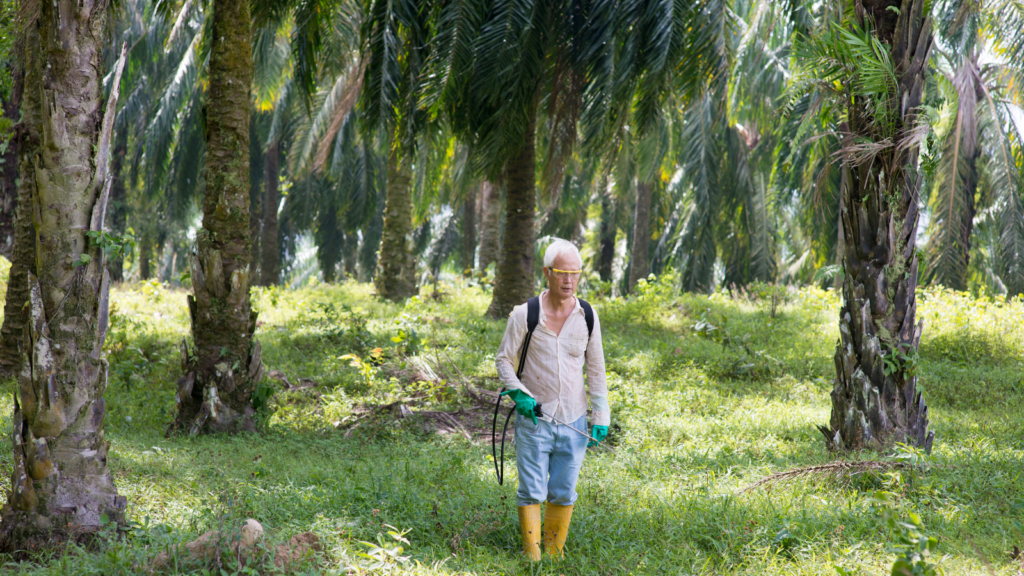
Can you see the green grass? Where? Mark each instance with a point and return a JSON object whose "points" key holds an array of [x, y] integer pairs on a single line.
{"points": [[694, 421]]}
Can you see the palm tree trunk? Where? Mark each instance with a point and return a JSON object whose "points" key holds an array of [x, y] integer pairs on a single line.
{"points": [[9, 173], [257, 191], [146, 256], [395, 265], [351, 255], [61, 487], [641, 234], [490, 234], [372, 234], [330, 243], [18, 245], [514, 279], [875, 401], [225, 364], [17, 284], [607, 232], [269, 267], [469, 231]]}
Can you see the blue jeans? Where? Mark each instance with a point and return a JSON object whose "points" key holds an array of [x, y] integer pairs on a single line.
{"points": [[548, 459]]}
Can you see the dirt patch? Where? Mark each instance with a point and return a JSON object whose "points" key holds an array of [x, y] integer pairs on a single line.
{"points": [[472, 422]]}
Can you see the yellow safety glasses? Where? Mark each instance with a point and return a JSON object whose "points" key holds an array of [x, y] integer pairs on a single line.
{"points": [[573, 274]]}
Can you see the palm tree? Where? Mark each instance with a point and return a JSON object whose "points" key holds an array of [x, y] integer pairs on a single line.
{"points": [[395, 46], [61, 486], [492, 66], [224, 363], [873, 62], [980, 93]]}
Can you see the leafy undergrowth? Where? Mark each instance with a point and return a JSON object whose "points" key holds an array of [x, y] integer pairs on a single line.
{"points": [[709, 395]]}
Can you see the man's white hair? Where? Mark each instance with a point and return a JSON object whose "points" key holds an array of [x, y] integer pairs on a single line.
{"points": [[561, 247]]}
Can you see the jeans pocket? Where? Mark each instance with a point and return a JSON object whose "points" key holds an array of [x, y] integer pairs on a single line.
{"points": [[524, 422]]}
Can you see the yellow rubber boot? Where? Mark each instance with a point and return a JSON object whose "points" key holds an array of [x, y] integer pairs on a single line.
{"points": [[556, 528], [529, 529]]}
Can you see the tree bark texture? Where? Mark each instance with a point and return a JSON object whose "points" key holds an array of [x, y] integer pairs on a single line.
{"points": [[607, 233], [225, 364], [514, 279], [270, 267], [9, 169], [61, 487], [469, 231], [875, 401], [490, 231], [396, 266], [641, 235]]}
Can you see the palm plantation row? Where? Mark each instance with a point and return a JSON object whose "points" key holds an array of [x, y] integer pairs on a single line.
{"points": [[730, 141]]}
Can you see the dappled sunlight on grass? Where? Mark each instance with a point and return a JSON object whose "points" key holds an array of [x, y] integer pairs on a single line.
{"points": [[709, 394]]}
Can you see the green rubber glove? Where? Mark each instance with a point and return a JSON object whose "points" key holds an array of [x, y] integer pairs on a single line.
{"points": [[524, 404], [599, 433]]}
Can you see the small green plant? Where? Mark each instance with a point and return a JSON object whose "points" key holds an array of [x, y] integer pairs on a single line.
{"points": [[383, 557], [261, 395], [368, 370], [113, 246], [770, 295], [911, 545], [904, 358], [705, 327]]}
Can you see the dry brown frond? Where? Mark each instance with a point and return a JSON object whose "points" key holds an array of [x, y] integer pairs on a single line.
{"points": [[835, 469]]}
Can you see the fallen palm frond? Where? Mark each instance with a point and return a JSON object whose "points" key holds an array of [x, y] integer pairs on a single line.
{"points": [[836, 469]]}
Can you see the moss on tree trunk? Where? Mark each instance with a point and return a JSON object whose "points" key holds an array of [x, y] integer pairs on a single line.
{"points": [[61, 487], [396, 267], [223, 364], [875, 401], [514, 279]]}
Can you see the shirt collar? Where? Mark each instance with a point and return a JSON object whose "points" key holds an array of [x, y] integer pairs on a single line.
{"points": [[543, 316]]}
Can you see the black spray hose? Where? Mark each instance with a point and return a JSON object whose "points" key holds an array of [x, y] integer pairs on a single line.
{"points": [[499, 469]]}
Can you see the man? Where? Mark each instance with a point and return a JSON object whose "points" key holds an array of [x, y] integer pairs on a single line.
{"points": [[549, 454]]}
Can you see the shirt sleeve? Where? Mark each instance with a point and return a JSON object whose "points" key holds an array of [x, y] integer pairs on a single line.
{"points": [[507, 358], [597, 384]]}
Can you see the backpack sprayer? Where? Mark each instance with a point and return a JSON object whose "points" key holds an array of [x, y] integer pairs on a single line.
{"points": [[532, 319]]}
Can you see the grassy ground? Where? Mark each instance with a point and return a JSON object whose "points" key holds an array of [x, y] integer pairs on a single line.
{"points": [[698, 415]]}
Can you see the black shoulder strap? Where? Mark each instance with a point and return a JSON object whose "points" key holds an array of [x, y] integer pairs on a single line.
{"points": [[588, 314], [532, 319]]}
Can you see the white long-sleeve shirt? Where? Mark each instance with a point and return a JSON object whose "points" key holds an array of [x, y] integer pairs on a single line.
{"points": [[553, 374]]}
